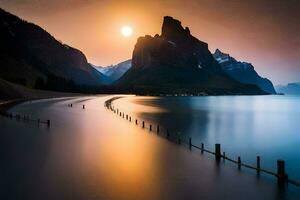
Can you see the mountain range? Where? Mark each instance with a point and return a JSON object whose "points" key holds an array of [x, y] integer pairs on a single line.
{"points": [[240, 71], [32, 57], [290, 89], [174, 62], [114, 72], [243, 72], [177, 62]]}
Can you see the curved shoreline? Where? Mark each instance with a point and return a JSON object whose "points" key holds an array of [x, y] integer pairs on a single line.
{"points": [[5, 105], [282, 178]]}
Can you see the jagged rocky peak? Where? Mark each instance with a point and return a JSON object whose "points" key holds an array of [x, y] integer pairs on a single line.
{"points": [[220, 56], [176, 62], [172, 28], [219, 53], [174, 47]]}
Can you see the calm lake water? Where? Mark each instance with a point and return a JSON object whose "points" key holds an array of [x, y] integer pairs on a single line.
{"points": [[92, 153], [246, 126]]}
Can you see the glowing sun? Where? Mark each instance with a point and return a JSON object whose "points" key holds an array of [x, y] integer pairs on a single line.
{"points": [[126, 31]]}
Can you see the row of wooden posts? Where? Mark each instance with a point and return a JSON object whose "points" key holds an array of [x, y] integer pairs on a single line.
{"points": [[281, 173], [26, 118], [71, 105]]}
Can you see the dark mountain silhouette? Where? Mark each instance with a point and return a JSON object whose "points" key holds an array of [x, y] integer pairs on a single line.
{"points": [[243, 72], [291, 89], [177, 62], [114, 72], [32, 57]]}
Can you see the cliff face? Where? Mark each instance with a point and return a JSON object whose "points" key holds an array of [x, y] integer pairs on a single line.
{"points": [[175, 47], [243, 72], [176, 62], [29, 56]]}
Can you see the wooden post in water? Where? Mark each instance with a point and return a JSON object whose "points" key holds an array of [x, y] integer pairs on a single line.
{"points": [[126, 117], [143, 124], [71, 105], [157, 130], [179, 140], [136, 121], [190, 143], [83, 106], [258, 165], [48, 123], [150, 127], [202, 147], [130, 119], [218, 151], [239, 162], [281, 171]]}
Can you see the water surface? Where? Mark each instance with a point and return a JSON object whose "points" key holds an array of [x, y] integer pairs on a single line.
{"points": [[245, 126], [92, 153]]}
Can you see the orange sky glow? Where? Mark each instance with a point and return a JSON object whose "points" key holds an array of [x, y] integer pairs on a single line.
{"points": [[263, 32]]}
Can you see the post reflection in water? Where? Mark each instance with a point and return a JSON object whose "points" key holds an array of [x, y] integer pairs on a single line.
{"points": [[93, 153], [246, 126]]}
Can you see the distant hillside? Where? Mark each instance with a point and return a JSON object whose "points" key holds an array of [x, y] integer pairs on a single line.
{"points": [[32, 57], [291, 88], [176, 62], [11, 91], [243, 72], [114, 72]]}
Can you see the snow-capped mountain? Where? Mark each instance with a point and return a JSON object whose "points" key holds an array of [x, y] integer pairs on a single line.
{"points": [[114, 72], [243, 72]]}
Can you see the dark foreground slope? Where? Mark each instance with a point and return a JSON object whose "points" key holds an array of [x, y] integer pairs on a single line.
{"points": [[243, 72], [11, 91], [32, 57], [176, 62]]}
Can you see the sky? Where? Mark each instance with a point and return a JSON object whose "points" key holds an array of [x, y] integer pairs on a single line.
{"points": [[265, 33]]}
